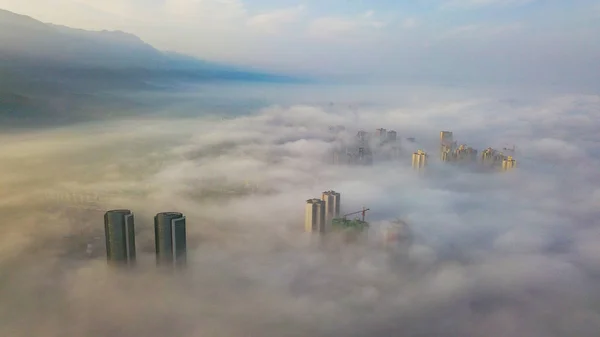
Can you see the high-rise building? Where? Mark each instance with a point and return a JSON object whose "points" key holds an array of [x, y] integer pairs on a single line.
{"points": [[419, 159], [381, 135], [446, 137], [119, 231], [491, 157], [332, 205], [391, 136], [465, 153], [362, 135], [170, 238], [315, 216], [446, 154], [508, 163]]}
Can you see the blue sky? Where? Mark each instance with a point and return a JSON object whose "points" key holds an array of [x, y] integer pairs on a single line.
{"points": [[511, 40]]}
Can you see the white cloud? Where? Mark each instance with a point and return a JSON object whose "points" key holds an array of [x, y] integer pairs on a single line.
{"points": [[116, 7], [364, 44], [273, 21], [468, 273], [343, 27], [213, 10], [483, 3], [481, 30]]}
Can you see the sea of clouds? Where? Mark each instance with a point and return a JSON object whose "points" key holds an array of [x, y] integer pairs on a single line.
{"points": [[490, 254]]}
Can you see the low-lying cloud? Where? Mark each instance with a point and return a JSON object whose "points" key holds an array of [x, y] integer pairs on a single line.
{"points": [[485, 254]]}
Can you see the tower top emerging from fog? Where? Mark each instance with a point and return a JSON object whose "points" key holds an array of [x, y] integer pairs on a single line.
{"points": [[119, 231]]}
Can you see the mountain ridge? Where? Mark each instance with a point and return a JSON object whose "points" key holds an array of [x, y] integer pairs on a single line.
{"points": [[56, 74], [31, 41]]}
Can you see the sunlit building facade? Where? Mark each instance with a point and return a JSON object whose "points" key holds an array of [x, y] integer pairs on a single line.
{"points": [[315, 216], [332, 205], [446, 137], [492, 157], [508, 163], [419, 160]]}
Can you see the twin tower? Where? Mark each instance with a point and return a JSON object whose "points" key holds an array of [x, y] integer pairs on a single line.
{"points": [[169, 236], [321, 212]]}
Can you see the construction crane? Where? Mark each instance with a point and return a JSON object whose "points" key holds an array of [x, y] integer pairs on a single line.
{"points": [[364, 211]]}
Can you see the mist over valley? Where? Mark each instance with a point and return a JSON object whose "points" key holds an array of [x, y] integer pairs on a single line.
{"points": [[96, 120]]}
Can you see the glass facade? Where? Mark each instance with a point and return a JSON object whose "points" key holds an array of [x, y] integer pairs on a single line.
{"points": [[170, 238], [119, 231]]}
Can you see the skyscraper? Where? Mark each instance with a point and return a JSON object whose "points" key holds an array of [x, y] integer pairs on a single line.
{"points": [[170, 238], [381, 134], [392, 136], [508, 163], [492, 157], [119, 231], [315, 216], [419, 159], [446, 137], [332, 205]]}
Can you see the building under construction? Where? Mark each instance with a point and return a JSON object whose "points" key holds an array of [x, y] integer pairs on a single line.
{"points": [[323, 215], [354, 224]]}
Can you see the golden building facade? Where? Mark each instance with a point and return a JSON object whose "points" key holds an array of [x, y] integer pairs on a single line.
{"points": [[332, 205], [315, 216], [508, 163], [419, 159]]}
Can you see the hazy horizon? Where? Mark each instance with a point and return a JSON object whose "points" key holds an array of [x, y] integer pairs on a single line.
{"points": [[505, 42], [93, 120]]}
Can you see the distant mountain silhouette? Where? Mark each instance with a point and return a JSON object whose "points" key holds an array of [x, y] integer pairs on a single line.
{"points": [[26, 40], [41, 63]]}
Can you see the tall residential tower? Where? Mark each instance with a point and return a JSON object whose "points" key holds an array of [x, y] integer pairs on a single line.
{"points": [[446, 137], [119, 231], [315, 216], [332, 205], [419, 159], [508, 163], [170, 238]]}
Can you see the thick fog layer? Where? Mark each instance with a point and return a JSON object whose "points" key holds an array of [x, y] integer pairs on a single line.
{"points": [[487, 254]]}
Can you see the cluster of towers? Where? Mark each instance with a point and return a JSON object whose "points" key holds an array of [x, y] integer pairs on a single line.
{"points": [[365, 145], [321, 212], [385, 136], [450, 151], [169, 236]]}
